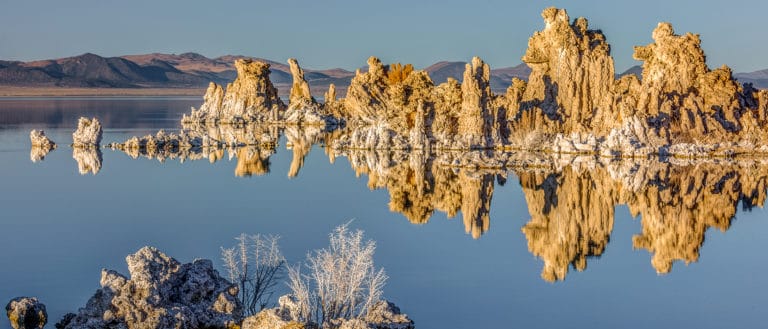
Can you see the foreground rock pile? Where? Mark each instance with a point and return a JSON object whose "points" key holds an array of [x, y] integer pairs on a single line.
{"points": [[163, 293], [160, 293]]}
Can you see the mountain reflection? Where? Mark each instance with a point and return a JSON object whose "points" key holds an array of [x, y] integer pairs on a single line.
{"points": [[571, 199]]}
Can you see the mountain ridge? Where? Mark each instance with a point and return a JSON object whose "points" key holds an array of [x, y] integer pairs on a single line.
{"points": [[193, 70]]}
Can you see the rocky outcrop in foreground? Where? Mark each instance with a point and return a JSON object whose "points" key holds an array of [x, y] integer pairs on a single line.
{"points": [[26, 313], [160, 293], [572, 102]]}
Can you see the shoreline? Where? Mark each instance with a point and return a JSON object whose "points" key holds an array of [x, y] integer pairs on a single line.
{"points": [[17, 92]]}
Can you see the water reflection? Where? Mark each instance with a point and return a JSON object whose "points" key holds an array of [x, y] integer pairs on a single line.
{"points": [[572, 208], [88, 159], [571, 200], [37, 153]]}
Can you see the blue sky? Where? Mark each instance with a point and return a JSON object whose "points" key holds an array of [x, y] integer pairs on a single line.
{"points": [[335, 33]]}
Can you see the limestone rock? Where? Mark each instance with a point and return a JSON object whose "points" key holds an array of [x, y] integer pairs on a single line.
{"points": [[693, 104], [476, 118], [386, 315], [270, 319], [571, 78], [160, 293], [41, 145], [26, 313], [300, 95], [251, 97], [88, 133], [39, 139], [383, 315], [330, 95], [572, 102]]}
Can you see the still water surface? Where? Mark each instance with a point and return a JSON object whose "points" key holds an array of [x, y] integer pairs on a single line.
{"points": [[584, 245]]}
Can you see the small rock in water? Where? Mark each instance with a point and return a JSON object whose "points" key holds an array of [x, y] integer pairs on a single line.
{"points": [[41, 145], [26, 313], [88, 133]]}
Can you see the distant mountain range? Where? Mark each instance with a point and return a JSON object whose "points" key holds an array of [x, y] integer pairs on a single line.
{"points": [[191, 70], [758, 79]]}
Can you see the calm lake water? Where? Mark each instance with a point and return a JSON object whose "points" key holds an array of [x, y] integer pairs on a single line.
{"points": [[618, 245]]}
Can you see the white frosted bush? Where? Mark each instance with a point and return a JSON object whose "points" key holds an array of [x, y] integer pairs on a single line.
{"points": [[342, 281]]}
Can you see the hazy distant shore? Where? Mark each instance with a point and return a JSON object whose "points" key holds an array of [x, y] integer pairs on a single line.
{"points": [[12, 91]]}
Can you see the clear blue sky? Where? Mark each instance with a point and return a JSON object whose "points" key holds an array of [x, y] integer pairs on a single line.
{"points": [[335, 33]]}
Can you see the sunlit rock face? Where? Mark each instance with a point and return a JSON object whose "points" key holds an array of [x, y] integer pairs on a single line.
{"points": [[251, 97], [477, 120], [396, 107], [571, 104], [41, 145], [88, 133], [86, 146], [701, 111], [300, 95], [571, 79], [302, 108], [160, 293]]}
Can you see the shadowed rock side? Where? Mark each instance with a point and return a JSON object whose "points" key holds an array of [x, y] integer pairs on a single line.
{"points": [[26, 313], [160, 293], [572, 208], [572, 102]]}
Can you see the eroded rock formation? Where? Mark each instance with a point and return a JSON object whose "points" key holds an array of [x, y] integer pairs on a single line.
{"points": [[41, 145], [160, 293], [88, 133], [26, 313], [571, 103], [251, 97]]}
